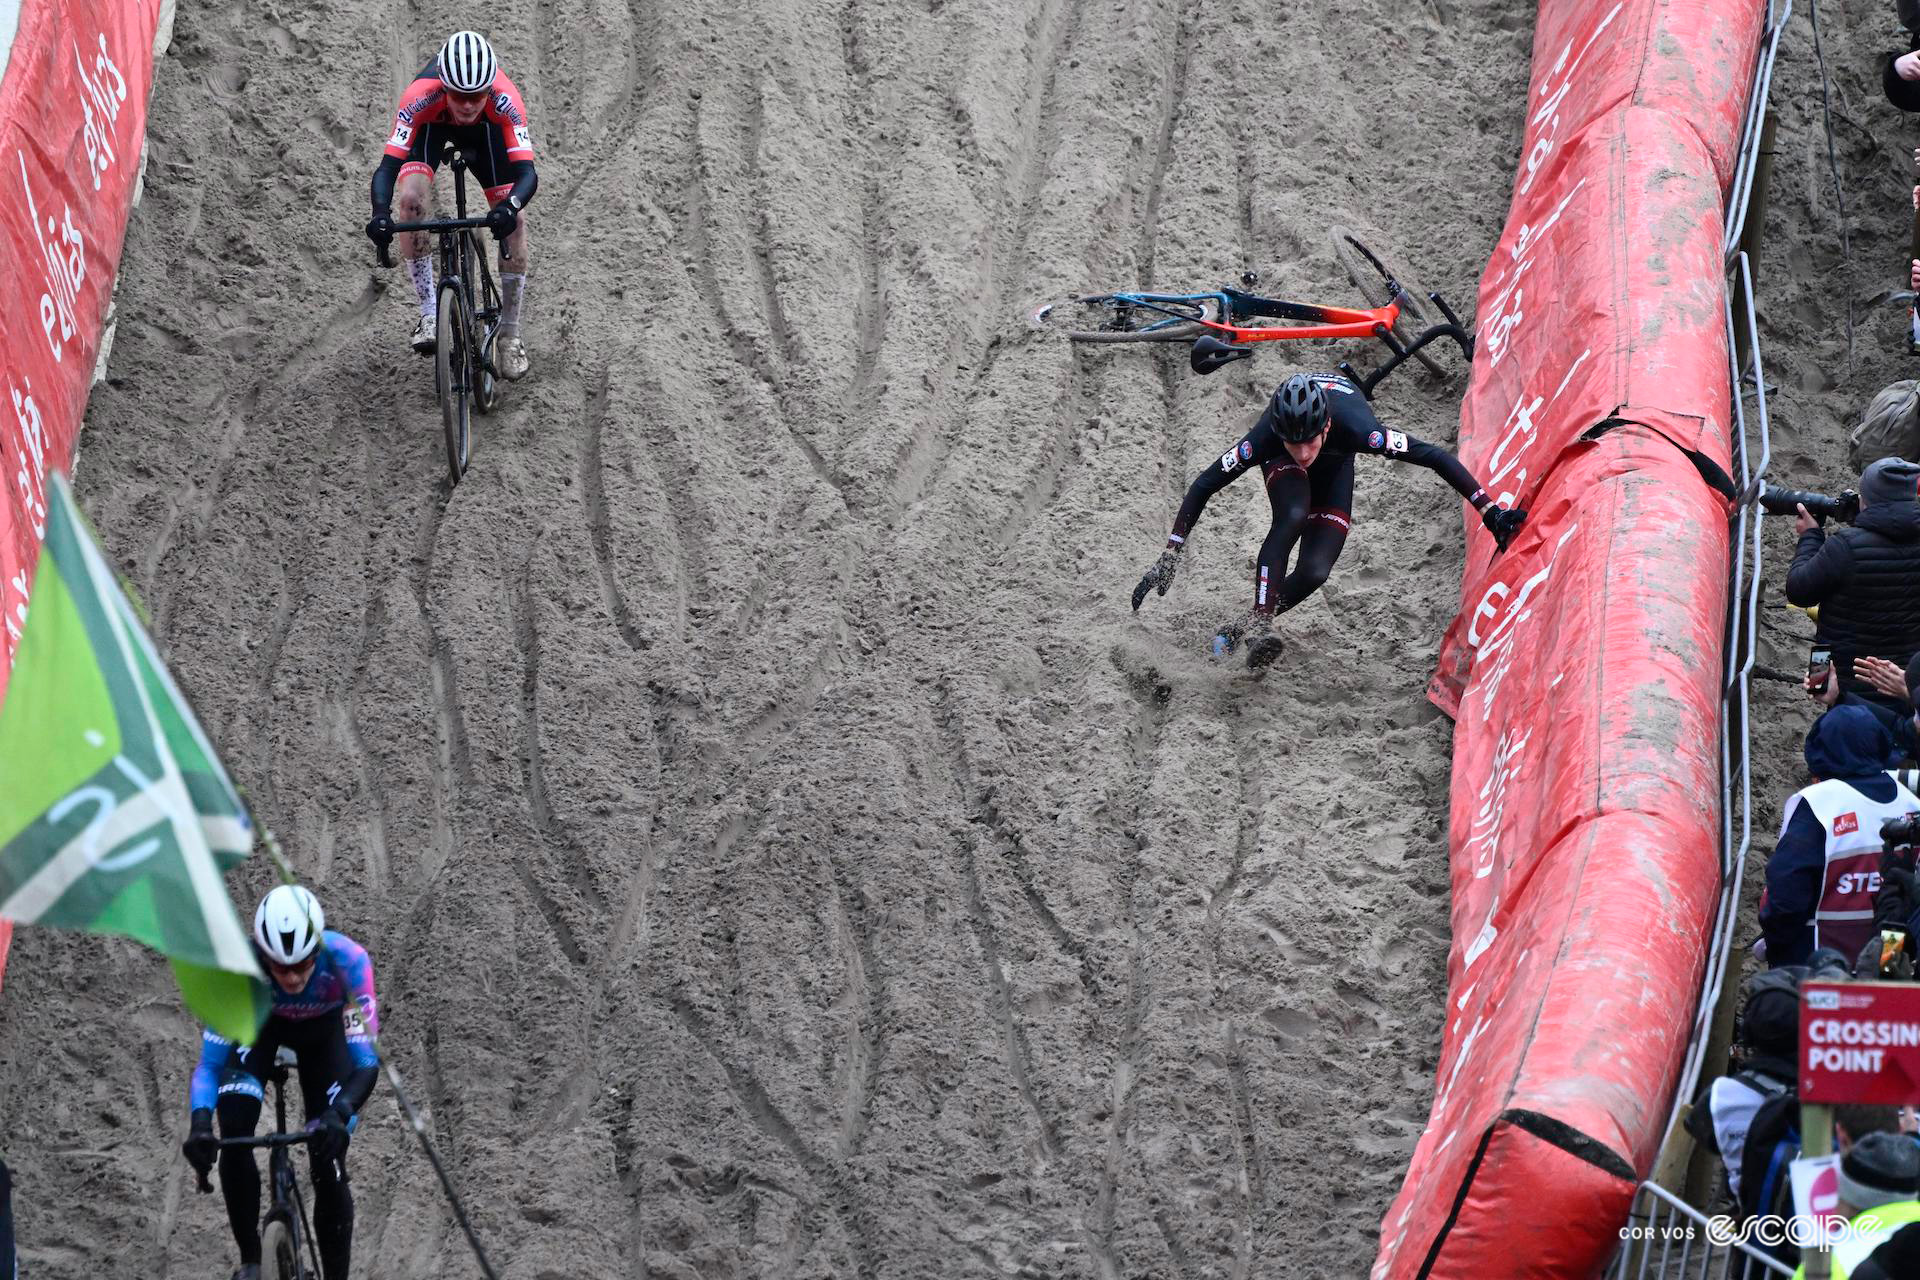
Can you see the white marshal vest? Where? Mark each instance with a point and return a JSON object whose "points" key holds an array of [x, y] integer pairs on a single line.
{"points": [[1843, 919]]}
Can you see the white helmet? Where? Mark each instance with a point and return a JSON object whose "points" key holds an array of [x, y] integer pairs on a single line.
{"points": [[467, 64], [287, 926]]}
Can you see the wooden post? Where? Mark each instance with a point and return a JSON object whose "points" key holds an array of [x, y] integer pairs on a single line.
{"points": [[1816, 1139]]}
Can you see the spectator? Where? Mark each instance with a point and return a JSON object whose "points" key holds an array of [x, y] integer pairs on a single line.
{"points": [[1825, 867], [1897, 1259], [1865, 576], [1879, 1183], [1900, 73], [1766, 1037], [1773, 1144]]}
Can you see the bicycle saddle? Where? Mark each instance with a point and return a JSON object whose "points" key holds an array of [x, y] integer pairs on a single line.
{"points": [[1209, 353]]}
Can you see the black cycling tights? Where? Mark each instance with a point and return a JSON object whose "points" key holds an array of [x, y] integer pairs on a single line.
{"points": [[240, 1183], [1310, 510]]}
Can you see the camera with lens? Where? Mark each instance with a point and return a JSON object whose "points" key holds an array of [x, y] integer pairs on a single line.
{"points": [[1895, 903], [1901, 832], [1781, 502]]}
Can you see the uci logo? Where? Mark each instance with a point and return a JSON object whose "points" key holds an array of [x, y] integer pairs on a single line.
{"points": [[1858, 882]]}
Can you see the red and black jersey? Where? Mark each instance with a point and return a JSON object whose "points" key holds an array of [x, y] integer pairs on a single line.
{"points": [[425, 103]]}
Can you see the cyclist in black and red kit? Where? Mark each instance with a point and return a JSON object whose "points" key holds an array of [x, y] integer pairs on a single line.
{"points": [[1304, 444], [461, 97]]}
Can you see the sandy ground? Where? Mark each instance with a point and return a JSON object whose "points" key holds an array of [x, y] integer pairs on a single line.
{"points": [[782, 852]]}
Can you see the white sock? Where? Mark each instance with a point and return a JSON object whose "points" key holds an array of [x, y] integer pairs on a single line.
{"points": [[513, 287], [421, 269]]}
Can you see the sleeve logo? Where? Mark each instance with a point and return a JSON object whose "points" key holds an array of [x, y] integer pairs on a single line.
{"points": [[1375, 440], [1396, 442], [1246, 451]]}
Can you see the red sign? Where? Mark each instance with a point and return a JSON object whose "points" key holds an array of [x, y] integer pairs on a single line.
{"points": [[1860, 1042]]}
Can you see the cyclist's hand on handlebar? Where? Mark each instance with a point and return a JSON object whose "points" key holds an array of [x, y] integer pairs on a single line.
{"points": [[380, 231], [502, 220], [1158, 578], [328, 1137], [1502, 523], [201, 1147]]}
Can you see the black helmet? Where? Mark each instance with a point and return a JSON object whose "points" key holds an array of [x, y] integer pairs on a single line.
{"points": [[1299, 409]]}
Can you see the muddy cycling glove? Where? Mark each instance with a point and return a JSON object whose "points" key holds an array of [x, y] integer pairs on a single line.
{"points": [[1158, 578], [1502, 522]]}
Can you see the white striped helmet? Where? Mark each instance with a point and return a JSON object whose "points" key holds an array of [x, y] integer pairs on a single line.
{"points": [[287, 926], [467, 64]]}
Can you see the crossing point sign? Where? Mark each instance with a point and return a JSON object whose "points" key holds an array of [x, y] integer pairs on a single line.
{"points": [[1860, 1042]]}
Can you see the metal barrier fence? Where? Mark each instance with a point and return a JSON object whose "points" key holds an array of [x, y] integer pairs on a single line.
{"points": [[1668, 1239], [1740, 190], [1752, 451]]}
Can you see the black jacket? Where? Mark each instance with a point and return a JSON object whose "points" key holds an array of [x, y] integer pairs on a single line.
{"points": [[1866, 579]]}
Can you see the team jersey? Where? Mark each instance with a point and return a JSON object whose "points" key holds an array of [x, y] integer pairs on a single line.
{"points": [[425, 103], [341, 986], [1355, 430]]}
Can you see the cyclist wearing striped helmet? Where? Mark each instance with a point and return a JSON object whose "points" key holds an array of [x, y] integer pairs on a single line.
{"points": [[463, 98], [325, 1010], [1304, 445]]}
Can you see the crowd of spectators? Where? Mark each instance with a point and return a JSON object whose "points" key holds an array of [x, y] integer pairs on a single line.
{"points": [[1840, 899]]}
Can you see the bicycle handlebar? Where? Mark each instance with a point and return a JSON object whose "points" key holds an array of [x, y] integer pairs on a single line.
{"points": [[431, 225], [250, 1143]]}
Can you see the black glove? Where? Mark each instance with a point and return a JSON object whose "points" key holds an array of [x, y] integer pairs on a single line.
{"points": [[502, 219], [380, 230], [1501, 522], [328, 1137], [1158, 578], [201, 1148]]}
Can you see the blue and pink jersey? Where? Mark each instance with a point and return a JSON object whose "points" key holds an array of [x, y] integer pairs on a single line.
{"points": [[341, 986]]}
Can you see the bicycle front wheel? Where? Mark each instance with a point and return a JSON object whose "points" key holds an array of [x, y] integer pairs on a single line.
{"points": [[279, 1252], [453, 374], [1370, 275], [486, 326], [1121, 317]]}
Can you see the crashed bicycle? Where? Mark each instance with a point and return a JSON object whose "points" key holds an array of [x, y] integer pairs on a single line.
{"points": [[1223, 324]]}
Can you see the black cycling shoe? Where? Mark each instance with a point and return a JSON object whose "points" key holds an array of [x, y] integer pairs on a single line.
{"points": [[1264, 652]]}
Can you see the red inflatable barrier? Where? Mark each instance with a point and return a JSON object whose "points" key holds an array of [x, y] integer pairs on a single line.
{"points": [[1584, 670], [73, 113]]}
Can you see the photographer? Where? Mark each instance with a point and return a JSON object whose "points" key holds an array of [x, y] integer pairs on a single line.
{"points": [[1865, 576], [1825, 869]]}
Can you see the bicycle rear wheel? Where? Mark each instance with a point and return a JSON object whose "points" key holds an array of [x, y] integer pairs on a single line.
{"points": [[279, 1252], [453, 377], [1370, 274], [1109, 317]]}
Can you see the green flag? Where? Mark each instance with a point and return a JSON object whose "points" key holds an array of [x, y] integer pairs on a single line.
{"points": [[115, 814]]}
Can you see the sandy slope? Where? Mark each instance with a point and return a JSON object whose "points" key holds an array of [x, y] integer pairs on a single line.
{"points": [[782, 852]]}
